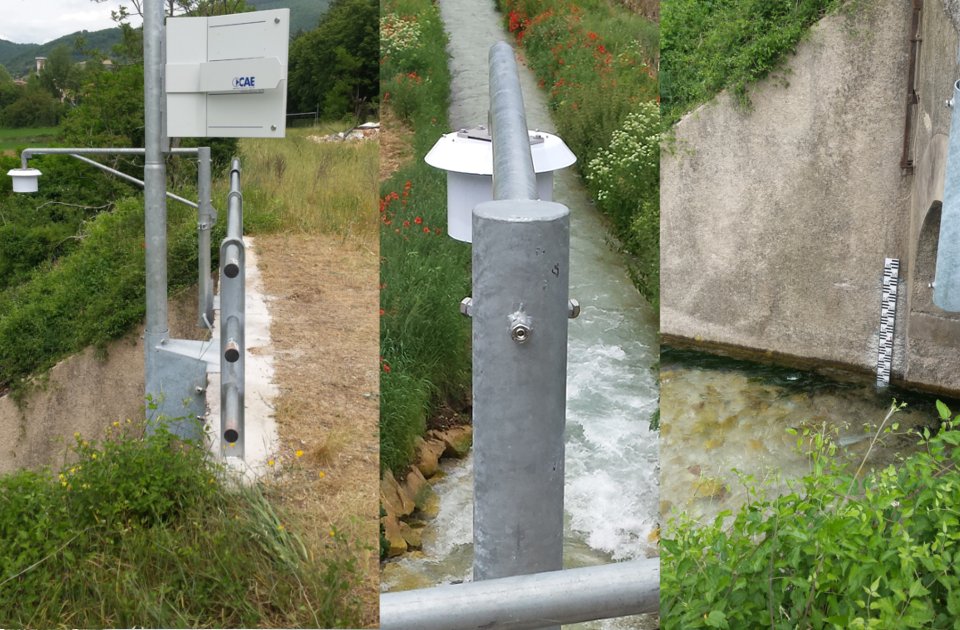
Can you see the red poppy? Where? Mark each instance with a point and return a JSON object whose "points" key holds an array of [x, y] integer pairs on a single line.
{"points": [[418, 220]]}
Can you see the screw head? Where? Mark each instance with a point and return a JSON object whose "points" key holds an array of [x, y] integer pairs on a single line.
{"points": [[520, 333], [573, 308]]}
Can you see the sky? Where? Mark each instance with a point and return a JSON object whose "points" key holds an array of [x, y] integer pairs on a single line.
{"points": [[40, 21]]}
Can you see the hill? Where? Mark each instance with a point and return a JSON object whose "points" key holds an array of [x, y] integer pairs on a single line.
{"points": [[19, 58]]}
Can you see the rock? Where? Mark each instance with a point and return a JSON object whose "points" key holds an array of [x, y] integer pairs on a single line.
{"points": [[428, 454], [418, 488], [393, 532], [430, 506], [458, 440], [411, 536], [395, 499]]}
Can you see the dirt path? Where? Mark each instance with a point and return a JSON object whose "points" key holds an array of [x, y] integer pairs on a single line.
{"points": [[323, 298]]}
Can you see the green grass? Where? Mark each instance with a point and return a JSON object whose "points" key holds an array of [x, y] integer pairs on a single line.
{"points": [[11, 139], [147, 532], [707, 47], [301, 185], [424, 274]]}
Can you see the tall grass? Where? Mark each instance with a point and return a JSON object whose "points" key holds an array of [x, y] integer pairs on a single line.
{"points": [[424, 274], [145, 532], [302, 185]]}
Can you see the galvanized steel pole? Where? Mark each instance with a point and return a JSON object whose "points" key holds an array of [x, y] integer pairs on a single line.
{"points": [[528, 601], [232, 321], [155, 203], [519, 310], [513, 176]]}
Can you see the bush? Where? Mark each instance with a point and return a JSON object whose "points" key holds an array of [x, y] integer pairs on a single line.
{"points": [[625, 180], [137, 532], [841, 550]]}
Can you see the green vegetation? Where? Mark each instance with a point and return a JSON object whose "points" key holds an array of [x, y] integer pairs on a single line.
{"points": [[424, 274], [579, 51], [147, 532], [11, 139], [706, 47], [843, 549]]}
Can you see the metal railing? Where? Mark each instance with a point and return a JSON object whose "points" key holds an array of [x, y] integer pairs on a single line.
{"points": [[520, 309], [232, 315]]}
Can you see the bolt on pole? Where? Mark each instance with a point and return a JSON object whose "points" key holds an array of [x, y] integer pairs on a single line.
{"points": [[155, 204], [519, 311]]}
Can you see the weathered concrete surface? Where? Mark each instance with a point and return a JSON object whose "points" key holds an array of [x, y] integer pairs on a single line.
{"points": [[932, 335], [775, 221], [85, 393]]}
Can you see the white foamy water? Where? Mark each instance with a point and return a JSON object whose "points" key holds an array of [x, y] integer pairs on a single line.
{"points": [[611, 495]]}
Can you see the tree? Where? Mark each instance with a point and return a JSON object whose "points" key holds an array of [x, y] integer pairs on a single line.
{"points": [[35, 107], [335, 67], [59, 73]]}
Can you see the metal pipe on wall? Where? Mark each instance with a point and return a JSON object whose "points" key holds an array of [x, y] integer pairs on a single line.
{"points": [[946, 287]]}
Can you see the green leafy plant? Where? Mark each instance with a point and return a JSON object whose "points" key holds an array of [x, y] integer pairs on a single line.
{"points": [[841, 549]]}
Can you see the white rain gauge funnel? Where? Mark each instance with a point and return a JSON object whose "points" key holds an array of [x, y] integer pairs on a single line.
{"points": [[467, 157], [25, 180]]}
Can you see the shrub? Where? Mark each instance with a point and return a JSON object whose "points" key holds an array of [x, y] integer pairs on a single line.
{"points": [[625, 180], [840, 550]]}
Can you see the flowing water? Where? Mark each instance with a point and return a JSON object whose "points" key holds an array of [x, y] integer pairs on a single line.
{"points": [[611, 494], [722, 416]]}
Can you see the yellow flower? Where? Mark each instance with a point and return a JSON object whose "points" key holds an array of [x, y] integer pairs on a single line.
{"points": [[281, 527], [76, 436], [321, 474], [332, 533], [270, 462], [116, 423], [299, 453], [93, 456]]}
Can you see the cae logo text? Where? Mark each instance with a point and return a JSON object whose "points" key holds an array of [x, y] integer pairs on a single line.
{"points": [[244, 82]]}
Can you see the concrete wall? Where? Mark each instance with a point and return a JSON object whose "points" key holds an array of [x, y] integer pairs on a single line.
{"points": [[84, 393], [775, 220]]}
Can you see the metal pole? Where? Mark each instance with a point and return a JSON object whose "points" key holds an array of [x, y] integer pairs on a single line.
{"points": [[519, 310], [28, 153], [205, 218], [155, 203], [513, 176], [946, 287], [232, 319], [529, 601], [131, 179]]}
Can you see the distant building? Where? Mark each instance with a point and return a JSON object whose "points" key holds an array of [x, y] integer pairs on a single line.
{"points": [[41, 62]]}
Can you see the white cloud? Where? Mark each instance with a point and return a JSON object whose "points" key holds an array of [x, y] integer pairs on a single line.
{"points": [[40, 21]]}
